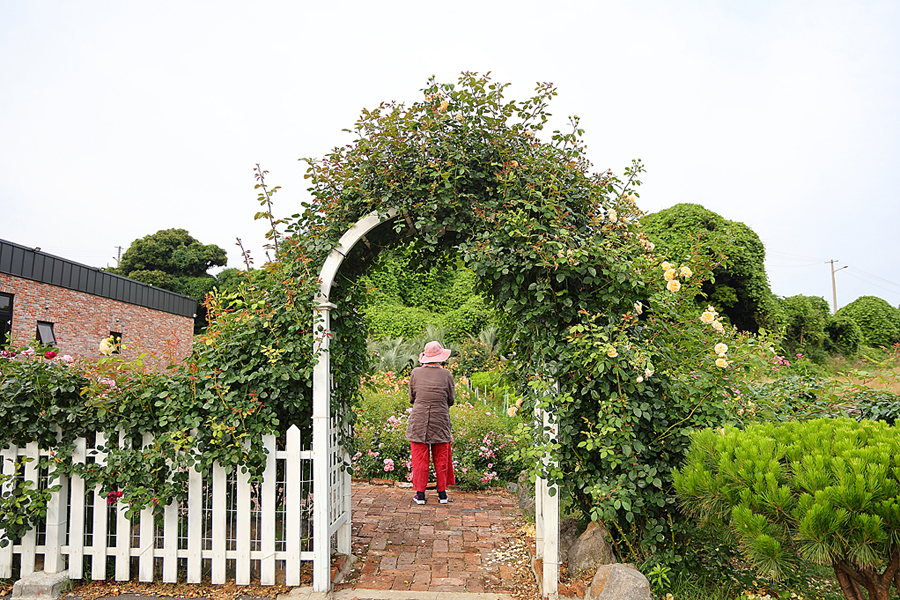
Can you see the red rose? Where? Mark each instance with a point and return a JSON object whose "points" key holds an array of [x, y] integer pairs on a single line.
{"points": [[50, 354]]}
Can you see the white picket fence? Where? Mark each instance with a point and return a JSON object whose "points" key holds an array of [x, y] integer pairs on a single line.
{"points": [[227, 528]]}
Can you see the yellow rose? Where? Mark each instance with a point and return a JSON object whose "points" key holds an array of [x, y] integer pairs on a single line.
{"points": [[612, 352], [444, 105], [648, 372], [105, 347], [666, 266], [707, 317], [511, 411], [717, 325], [721, 363], [612, 215], [670, 274], [673, 286], [686, 271], [720, 349]]}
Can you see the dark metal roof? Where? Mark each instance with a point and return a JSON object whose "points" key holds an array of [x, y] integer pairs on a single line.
{"points": [[35, 265]]}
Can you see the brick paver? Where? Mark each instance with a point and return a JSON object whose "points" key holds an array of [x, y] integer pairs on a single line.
{"points": [[456, 547]]}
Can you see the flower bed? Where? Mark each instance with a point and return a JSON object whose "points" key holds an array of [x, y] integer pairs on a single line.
{"points": [[482, 436]]}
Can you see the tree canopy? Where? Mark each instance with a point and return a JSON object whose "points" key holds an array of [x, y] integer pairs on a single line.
{"points": [[173, 260], [739, 286]]}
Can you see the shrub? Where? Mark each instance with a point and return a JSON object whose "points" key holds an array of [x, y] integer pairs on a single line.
{"points": [[472, 356], [804, 333], [472, 317], [844, 336], [825, 491], [395, 320], [793, 397], [877, 405], [876, 318]]}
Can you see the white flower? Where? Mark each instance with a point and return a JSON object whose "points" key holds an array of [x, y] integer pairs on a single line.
{"points": [[707, 317], [612, 353], [612, 215], [717, 325], [638, 307], [648, 372], [721, 349], [721, 363], [639, 379]]}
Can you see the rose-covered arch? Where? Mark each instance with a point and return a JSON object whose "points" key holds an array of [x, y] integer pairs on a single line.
{"points": [[555, 247]]}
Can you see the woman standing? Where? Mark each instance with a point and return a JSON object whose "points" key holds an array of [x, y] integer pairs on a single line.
{"points": [[431, 392]]}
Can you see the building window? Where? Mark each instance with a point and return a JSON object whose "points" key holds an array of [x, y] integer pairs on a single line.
{"points": [[45, 333], [6, 306], [115, 342]]}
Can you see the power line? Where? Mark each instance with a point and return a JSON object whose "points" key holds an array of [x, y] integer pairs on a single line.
{"points": [[872, 284]]}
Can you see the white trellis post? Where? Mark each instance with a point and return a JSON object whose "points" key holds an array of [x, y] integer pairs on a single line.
{"points": [[322, 409], [546, 522], [321, 450]]}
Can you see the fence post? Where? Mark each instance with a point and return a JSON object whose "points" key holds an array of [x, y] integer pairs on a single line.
{"points": [[123, 533], [29, 540], [195, 525], [242, 534], [100, 518], [8, 457], [219, 522], [147, 542], [292, 501], [76, 514], [267, 522]]}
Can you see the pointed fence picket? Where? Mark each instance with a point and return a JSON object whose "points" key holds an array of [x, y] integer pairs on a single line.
{"points": [[227, 528]]}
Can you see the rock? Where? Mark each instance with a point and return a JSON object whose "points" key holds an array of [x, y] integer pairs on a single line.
{"points": [[590, 551], [569, 530], [618, 582], [41, 586], [525, 495]]}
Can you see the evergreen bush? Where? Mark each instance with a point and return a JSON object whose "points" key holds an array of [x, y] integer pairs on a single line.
{"points": [[826, 491]]}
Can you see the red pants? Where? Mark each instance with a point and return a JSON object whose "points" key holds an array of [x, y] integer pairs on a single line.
{"points": [[440, 454]]}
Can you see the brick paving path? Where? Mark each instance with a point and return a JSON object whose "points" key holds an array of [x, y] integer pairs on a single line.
{"points": [[463, 546]]}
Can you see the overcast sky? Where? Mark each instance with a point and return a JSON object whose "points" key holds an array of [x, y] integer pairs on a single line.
{"points": [[118, 119]]}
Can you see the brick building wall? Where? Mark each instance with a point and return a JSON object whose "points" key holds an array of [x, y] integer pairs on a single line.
{"points": [[81, 320]]}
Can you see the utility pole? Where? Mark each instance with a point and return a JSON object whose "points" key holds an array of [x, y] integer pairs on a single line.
{"points": [[834, 286], [118, 254]]}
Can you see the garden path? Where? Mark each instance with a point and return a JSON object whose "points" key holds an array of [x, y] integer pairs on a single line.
{"points": [[472, 545]]}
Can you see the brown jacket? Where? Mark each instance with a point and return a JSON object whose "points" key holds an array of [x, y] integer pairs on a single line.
{"points": [[431, 393]]}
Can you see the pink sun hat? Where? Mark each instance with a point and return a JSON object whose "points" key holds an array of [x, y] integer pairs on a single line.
{"points": [[434, 353]]}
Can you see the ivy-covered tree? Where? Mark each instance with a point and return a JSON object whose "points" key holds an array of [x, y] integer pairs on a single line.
{"points": [[173, 260], [739, 286], [877, 319], [825, 491], [804, 320]]}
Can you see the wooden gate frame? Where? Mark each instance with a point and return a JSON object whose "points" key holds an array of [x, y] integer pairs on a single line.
{"points": [[326, 474]]}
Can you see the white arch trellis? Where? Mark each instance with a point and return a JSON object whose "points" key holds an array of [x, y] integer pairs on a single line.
{"points": [[331, 485]]}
